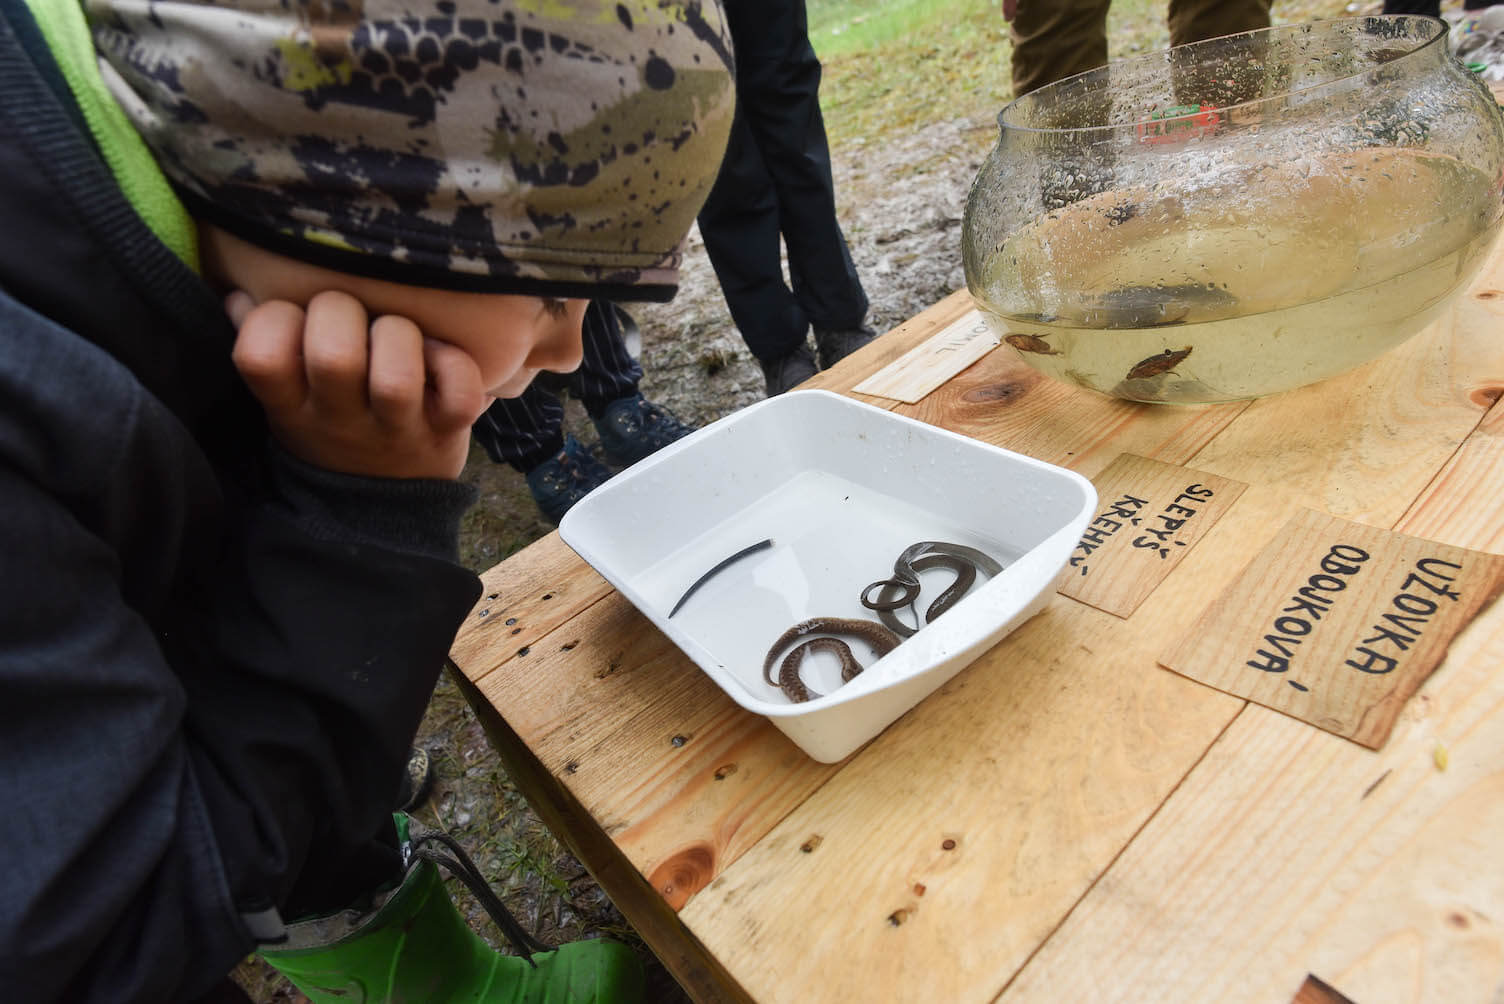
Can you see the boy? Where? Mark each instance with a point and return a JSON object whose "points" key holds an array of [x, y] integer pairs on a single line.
{"points": [[224, 611]]}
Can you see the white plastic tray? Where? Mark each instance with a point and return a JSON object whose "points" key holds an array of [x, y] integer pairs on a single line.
{"points": [[841, 488]]}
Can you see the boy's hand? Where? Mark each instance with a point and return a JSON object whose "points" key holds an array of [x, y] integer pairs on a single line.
{"points": [[373, 398]]}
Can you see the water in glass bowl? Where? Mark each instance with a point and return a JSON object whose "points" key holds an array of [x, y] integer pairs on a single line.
{"points": [[1253, 281]]}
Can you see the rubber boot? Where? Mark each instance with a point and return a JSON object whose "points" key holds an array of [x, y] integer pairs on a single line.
{"points": [[416, 947]]}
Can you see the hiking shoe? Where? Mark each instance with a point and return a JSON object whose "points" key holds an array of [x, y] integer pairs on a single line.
{"points": [[837, 345], [787, 372], [565, 478], [633, 427]]}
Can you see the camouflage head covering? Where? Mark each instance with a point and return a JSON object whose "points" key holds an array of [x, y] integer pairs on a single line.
{"points": [[551, 147]]}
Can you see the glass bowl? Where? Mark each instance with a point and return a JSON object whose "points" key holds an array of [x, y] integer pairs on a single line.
{"points": [[1240, 216]]}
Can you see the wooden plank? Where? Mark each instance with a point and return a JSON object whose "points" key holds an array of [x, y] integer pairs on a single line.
{"points": [[1337, 623], [926, 366], [1389, 889], [948, 849], [1050, 752], [680, 775], [1291, 850], [694, 968], [522, 599], [883, 351], [1003, 401]]}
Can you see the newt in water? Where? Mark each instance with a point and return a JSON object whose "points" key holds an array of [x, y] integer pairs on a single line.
{"points": [[1160, 362], [1030, 343]]}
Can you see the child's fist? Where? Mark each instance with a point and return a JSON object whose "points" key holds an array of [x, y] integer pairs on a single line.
{"points": [[373, 398]]}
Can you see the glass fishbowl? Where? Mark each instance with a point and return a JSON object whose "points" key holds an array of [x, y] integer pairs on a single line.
{"points": [[1240, 216]]}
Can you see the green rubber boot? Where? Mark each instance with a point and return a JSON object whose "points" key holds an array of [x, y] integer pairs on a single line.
{"points": [[415, 948]]}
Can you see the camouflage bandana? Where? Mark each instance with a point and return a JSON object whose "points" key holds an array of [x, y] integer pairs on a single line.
{"points": [[547, 147]]}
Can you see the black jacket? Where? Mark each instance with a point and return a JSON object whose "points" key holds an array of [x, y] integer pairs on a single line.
{"points": [[212, 658]]}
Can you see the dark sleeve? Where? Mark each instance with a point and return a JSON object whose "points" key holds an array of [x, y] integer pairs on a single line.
{"points": [[333, 627], [169, 771]]}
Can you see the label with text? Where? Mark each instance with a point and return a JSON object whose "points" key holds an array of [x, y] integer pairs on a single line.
{"points": [[1337, 623], [1153, 514], [911, 376]]}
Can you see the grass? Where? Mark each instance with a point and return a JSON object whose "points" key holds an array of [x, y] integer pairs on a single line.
{"points": [[893, 65]]}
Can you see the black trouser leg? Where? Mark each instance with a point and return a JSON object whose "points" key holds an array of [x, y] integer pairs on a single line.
{"points": [[1430, 8], [776, 179], [739, 224], [607, 370]]}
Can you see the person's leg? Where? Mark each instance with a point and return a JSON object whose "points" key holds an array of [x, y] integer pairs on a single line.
{"points": [[739, 224], [607, 371], [1196, 20], [527, 432], [1427, 8], [522, 431], [1055, 40], [778, 83]]}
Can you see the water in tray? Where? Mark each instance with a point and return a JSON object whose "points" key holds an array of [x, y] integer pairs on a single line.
{"points": [[831, 538]]}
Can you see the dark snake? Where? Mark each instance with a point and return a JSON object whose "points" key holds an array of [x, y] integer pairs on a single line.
{"points": [[880, 638], [902, 590]]}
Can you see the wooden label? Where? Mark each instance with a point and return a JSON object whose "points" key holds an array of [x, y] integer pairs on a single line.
{"points": [[1154, 514], [932, 362], [1337, 624]]}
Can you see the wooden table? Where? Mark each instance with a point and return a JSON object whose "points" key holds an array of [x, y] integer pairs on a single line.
{"points": [[1066, 820]]}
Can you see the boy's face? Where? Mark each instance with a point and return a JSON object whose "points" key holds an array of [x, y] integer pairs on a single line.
{"points": [[510, 337]]}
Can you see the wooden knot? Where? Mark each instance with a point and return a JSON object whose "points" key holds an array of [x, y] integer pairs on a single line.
{"points": [[1003, 391], [1484, 397], [684, 874]]}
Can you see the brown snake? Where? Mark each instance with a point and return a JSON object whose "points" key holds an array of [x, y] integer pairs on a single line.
{"points": [[880, 638], [903, 588]]}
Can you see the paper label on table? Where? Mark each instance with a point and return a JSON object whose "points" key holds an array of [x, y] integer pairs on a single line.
{"points": [[928, 365], [1152, 516], [1337, 624]]}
